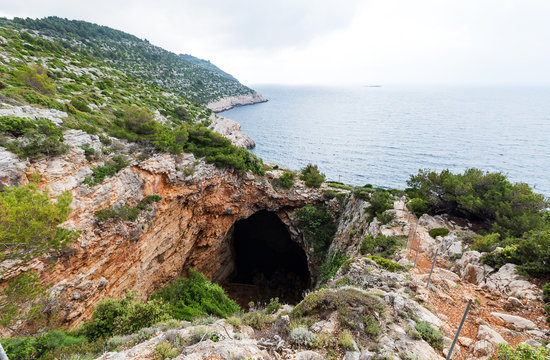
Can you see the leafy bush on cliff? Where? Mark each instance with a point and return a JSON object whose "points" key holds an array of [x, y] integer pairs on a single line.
{"points": [[41, 346], [380, 200], [418, 206], [312, 176], [285, 181], [36, 78], [34, 138], [509, 209], [331, 266], [124, 212], [110, 168], [195, 296], [220, 151], [386, 263], [381, 245], [29, 221], [318, 227], [531, 254], [125, 316], [25, 289], [430, 334], [438, 232], [521, 352]]}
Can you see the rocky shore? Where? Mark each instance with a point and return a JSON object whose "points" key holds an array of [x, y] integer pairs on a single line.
{"points": [[231, 130], [233, 101]]}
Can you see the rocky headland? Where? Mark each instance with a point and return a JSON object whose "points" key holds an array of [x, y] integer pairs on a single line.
{"points": [[238, 100]]}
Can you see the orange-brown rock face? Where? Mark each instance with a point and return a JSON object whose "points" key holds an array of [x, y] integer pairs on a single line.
{"points": [[190, 227]]}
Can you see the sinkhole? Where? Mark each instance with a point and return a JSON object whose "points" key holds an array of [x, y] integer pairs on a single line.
{"points": [[267, 262]]}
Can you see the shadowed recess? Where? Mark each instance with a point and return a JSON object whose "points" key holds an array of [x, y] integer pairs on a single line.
{"points": [[268, 263]]}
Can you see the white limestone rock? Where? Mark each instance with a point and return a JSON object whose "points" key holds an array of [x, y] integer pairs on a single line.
{"points": [[231, 130], [31, 112], [517, 321], [238, 100], [510, 283], [12, 169], [486, 333]]}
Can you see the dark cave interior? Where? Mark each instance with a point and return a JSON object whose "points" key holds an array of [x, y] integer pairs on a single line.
{"points": [[268, 263]]}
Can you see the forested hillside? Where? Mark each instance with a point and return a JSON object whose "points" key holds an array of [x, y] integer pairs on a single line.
{"points": [[136, 57]]}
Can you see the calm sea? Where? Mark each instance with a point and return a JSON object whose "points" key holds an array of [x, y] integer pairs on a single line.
{"points": [[381, 135]]}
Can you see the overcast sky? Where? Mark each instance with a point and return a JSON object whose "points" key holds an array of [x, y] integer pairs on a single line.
{"points": [[336, 42]]}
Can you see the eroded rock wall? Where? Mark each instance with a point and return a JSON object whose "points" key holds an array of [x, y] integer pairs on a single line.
{"points": [[190, 227]]}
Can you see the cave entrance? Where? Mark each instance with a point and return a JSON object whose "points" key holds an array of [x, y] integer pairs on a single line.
{"points": [[268, 263]]}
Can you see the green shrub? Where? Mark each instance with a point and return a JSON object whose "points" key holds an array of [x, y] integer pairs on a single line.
{"points": [[430, 334], [331, 266], [439, 232], [124, 316], [35, 138], [486, 243], [218, 150], [273, 305], [37, 347], [29, 221], [318, 227], [311, 175], [531, 254], [89, 152], [23, 290], [124, 212], [418, 206], [80, 104], [386, 264], [257, 319], [380, 200], [285, 181], [234, 321], [498, 258], [110, 168], [195, 296], [339, 299], [36, 78], [521, 352], [301, 336], [510, 209], [372, 328], [164, 350], [345, 340], [381, 245], [15, 126], [386, 217]]}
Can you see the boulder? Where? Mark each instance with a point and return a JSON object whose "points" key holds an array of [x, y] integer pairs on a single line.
{"points": [[483, 348], [490, 335], [430, 222], [12, 169], [510, 283], [468, 257], [517, 321]]}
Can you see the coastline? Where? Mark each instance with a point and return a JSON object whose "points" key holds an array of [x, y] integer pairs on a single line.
{"points": [[230, 102]]}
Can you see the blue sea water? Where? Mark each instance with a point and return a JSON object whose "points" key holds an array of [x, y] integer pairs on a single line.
{"points": [[381, 135]]}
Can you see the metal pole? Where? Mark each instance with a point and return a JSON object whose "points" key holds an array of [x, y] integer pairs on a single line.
{"points": [[417, 251], [412, 241], [409, 238], [459, 328], [3, 355], [432, 270]]}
